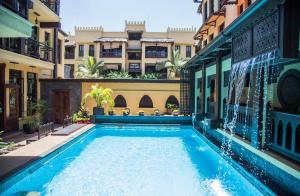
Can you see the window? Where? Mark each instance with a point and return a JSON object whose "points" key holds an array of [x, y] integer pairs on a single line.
{"points": [[134, 55], [188, 51], [47, 38], [211, 37], [199, 83], [81, 51], [172, 100], [134, 68], [177, 47], [31, 92], [211, 7], [156, 52], [146, 102], [120, 102], [69, 71], [212, 90], [240, 8], [150, 68], [15, 78], [205, 11], [221, 27], [111, 52], [249, 2], [59, 52], [226, 76], [134, 35], [91, 50], [69, 52]]}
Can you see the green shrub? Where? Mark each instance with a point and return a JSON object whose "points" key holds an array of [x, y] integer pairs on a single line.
{"points": [[150, 76], [118, 75]]}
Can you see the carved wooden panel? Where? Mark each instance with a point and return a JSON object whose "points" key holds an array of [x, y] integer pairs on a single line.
{"points": [[242, 46], [266, 34]]}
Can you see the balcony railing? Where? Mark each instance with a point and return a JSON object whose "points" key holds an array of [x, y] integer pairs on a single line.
{"points": [[111, 54], [28, 47], [285, 134], [156, 54], [19, 7], [69, 55], [54, 5]]}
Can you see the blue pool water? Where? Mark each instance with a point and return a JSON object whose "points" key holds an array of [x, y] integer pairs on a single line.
{"points": [[137, 160]]}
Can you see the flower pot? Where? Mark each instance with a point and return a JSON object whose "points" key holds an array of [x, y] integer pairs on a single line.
{"points": [[98, 111], [169, 111], [111, 113], [28, 129], [141, 113]]}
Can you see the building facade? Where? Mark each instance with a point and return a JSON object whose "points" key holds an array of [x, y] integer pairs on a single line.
{"points": [[31, 47], [243, 71], [134, 50]]}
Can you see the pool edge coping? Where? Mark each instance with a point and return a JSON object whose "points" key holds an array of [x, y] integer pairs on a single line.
{"points": [[8, 177]]}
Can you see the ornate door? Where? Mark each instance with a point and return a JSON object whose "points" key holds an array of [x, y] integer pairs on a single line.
{"points": [[60, 105], [12, 120]]}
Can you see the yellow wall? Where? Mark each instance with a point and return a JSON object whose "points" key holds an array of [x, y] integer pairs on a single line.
{"points": [[133, 92]]}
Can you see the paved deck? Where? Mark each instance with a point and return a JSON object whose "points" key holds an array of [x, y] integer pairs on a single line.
{"points": [[17, 159]]}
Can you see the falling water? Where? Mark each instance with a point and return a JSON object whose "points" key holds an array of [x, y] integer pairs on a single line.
{"points": [[259, 68]]}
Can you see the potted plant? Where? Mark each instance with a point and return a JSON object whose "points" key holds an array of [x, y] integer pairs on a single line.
{"points": [[141, 113], [32, 122], [171, 107], [82, 116], [102, 96], [111, 104], [126, 112], [156, 112]]}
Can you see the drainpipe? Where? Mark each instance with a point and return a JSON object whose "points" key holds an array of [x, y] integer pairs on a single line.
{"points": [[55, 50]]}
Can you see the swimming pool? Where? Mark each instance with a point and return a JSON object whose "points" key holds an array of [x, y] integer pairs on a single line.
{"points": [[137, 160]]}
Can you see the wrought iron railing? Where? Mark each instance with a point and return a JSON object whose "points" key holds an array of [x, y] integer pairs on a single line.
{"points": [[28, 47], [111, 54], [54, 5], [285, 134], [19, 7], [69, 55], [156, 54], [243, 120]]}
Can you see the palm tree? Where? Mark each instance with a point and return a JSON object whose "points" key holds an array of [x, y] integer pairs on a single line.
{"points": [[90, 69], [172, 65]]}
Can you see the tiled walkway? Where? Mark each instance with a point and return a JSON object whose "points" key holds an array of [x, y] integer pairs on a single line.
{"points": [[17, 159]]}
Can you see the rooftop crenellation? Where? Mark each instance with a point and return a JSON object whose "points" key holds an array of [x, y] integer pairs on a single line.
{"points": [[78, 28], [127, 22], [180, 29]]}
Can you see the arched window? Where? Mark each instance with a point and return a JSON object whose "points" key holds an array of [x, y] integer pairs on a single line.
{"points": [[297, 143], [288, 137], [146, 102], [172, 100], [120, 102], [279, 133]]}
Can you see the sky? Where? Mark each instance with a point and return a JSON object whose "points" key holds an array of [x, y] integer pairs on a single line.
{"points": [[111, 14]]}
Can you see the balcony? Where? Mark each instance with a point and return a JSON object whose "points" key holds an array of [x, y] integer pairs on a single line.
{"points": [[28, 47], [116, 53], [17, 6], [53, 5], [285, 134], [156, 54]]}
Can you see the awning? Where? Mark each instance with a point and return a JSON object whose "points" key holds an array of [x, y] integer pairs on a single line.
{"points": [[13, 25], [155, 40], [111, 39]]}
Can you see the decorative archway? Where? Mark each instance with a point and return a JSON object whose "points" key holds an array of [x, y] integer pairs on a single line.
{"points": [[146, 102], [172, 100], [120, 102]]}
